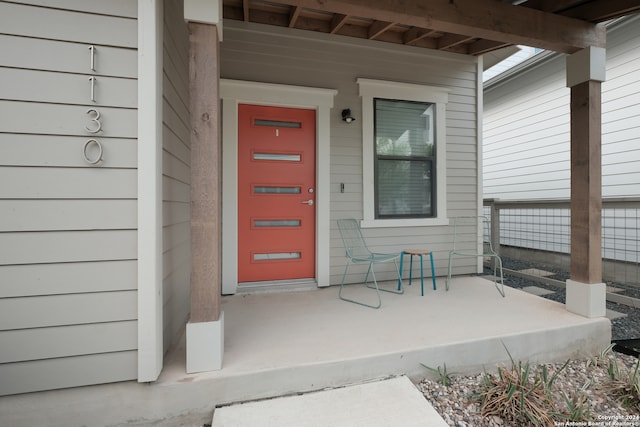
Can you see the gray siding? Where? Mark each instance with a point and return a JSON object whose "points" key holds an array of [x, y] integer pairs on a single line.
{"points": [[68, 238], [256, 53], [526, 126], [176, 174]]}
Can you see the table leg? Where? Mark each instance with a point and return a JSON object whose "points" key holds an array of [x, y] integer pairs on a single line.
{"points": [[421, 274], [433, 272], [400, 278], [410, 267]]}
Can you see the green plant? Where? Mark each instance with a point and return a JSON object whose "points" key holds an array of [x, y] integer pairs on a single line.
{"points": [[548, 382], [605, 355], [520, 395], [613, 369], [577, 407], [443, 374], [624, 384]]}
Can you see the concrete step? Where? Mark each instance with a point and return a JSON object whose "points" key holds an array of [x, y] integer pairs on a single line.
{"points": [[391, 402]]}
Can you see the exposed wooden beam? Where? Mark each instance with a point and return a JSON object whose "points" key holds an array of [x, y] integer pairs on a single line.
{"points": [[426, 42], [378, 28], [487, 19], [484, 46], [337, 22], [451, 40], [293, 17], [413, 34], [603, 10], [390, 37], [245, 10]]}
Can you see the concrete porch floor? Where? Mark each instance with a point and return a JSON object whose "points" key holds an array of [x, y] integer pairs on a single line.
{"points": [[280, 343]]}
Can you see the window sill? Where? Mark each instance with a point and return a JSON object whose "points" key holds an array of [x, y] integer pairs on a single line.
{"points": [[392, 223]]}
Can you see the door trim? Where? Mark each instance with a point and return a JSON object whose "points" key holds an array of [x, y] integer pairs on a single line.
{"points": [[235, 92]]}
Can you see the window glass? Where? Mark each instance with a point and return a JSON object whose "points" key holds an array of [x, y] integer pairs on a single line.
{"points": [[404, 159], [277, 123]]}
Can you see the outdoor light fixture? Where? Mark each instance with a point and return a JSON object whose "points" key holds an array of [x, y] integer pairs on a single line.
{"points": [[346, 115]]}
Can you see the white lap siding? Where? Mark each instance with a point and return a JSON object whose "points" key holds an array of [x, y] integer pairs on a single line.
{"points": [[68, 229], [527, 133]]}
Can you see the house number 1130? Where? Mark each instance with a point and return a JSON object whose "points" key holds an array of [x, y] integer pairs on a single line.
{"points": [[94, 125]]}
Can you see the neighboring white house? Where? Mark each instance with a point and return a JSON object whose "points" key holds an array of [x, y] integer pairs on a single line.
{"points": [[526, 143], [526, 124], [95, 174]]}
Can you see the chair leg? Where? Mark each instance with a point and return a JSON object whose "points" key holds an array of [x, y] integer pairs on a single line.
{"points": [[422, 274], [400, 288], [400, 291], [359, 302], [449, 274], [400, 270], [498, 261], [346, 267], [366, 277]]}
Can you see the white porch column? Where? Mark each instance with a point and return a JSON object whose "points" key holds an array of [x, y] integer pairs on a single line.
{"points": [[586, 294], [205, 330]]}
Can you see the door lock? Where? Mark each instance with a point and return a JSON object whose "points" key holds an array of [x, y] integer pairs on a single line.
{"points": [[308, 202]]}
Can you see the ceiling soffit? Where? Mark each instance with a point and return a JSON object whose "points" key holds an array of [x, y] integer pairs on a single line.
{"points": [[471, 27]]}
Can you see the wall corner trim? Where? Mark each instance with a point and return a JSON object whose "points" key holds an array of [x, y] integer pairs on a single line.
{"points": [[150, 345]]}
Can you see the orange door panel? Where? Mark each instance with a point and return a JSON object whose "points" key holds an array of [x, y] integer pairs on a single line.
{"points": [[276, 193]]}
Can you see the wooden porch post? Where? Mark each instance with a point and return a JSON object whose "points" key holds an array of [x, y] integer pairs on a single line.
{"points": [[205, 330], [205, 173], [586, 294]]}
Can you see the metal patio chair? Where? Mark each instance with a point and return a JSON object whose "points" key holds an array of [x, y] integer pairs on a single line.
{"points": [[357, 252], [472, 222]]}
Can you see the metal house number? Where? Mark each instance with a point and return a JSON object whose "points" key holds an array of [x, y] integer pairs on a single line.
{"points": [[94, 125], [92, 150]]}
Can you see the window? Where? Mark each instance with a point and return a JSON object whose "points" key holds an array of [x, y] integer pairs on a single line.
{"points": [[404, 154], [404, 159]]}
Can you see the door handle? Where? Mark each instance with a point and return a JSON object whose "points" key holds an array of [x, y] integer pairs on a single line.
{"points": [[308, 202]]}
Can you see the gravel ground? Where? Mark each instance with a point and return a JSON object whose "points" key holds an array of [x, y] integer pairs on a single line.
{"points": [[459, 405]]}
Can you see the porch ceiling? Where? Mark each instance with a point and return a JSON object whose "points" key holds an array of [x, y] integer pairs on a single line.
{"points": [[471, 27]]}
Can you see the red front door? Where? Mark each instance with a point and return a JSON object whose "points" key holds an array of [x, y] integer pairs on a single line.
{"points": [[276, 193]]}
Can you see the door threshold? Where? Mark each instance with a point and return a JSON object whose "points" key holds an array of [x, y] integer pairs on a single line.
{"points": [[277, 286]]}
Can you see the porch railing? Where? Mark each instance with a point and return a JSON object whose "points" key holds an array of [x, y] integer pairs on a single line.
{"points": [[539, 231]]}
